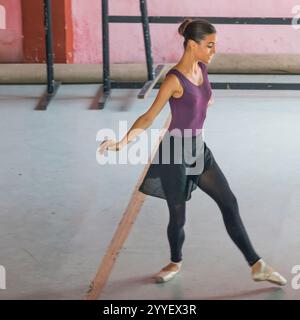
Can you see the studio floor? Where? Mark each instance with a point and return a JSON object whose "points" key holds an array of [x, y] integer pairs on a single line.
{"points": [[60, 208]]}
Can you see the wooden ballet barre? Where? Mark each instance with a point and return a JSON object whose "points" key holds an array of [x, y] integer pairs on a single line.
{"points": [[148, 86]]}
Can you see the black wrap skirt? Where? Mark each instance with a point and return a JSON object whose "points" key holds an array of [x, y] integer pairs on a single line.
{"points": [[176, 167]]}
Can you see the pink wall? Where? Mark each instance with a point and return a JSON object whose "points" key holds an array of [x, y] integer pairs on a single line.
{"points": [[126, 40], [11, 37], [87, 31]]}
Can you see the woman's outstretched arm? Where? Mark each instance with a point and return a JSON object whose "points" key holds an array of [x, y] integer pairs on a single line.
{"points": [[168, 87]]}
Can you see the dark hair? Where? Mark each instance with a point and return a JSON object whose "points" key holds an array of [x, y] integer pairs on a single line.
{"points": [[195, 30]]}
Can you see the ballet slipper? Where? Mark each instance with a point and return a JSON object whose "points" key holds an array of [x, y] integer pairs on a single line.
{"points": [[167, 273], [265, 275]]}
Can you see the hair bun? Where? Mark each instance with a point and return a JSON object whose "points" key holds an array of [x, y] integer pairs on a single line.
{"points": [[183, 26]]}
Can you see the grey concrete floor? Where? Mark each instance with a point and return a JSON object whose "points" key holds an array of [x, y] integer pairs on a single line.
{"points": [[59, 208]]}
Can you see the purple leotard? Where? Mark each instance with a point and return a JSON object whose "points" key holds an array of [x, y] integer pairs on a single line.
{"points": [[189, 111]]}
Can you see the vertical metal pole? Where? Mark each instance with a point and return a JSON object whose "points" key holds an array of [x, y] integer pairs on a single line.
{"points": [[147, 40], [105, 40], [49, 50]]}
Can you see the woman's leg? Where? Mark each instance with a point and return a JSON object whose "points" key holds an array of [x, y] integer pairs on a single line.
{"points": [[173, 181], [213, 182], [174, 191], [175, 230]]}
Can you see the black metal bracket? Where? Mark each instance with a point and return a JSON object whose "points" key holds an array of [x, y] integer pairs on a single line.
{"points": [[153, 76], [214, 20], [52, 85], [47, 97], [218, 85]]}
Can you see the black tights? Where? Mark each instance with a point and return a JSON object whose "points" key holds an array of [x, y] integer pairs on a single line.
{"points": [[213, 182]]}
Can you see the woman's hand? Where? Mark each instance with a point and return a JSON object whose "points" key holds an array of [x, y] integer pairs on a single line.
{"points": [[109, 145]]}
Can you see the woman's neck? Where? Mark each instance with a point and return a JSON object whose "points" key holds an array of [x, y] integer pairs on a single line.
{"points": [[188, 64]]}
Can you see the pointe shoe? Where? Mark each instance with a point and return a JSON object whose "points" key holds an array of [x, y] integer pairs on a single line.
{"points": [[167, 273], [265, 275]]}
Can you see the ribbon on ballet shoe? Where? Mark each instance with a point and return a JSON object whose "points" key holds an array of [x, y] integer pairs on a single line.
{"points": [[277, 278], [264, 275]]}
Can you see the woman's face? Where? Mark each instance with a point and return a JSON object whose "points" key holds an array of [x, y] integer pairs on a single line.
{"points": [[206, 49]]}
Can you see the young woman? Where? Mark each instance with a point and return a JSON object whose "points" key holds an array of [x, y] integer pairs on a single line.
{"points": [[187, 88]]}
